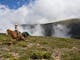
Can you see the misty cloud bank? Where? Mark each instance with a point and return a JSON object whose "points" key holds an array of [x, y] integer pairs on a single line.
{"points": [[64, 30], [40, 12]]}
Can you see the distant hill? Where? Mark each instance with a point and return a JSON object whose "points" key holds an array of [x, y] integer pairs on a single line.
{"points": [[57, 29], [73, 25]]}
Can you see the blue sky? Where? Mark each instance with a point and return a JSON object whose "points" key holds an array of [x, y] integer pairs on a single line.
{"points": [[39, 12], [14, 4]]}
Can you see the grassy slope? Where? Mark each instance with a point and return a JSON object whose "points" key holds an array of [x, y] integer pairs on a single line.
{"points": [[21, 50]]}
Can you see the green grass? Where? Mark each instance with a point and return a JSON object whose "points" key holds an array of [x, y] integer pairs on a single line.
{"points": [[38, 47]]}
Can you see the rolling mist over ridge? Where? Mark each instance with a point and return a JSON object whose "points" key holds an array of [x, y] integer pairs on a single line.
{"points": [[69, 28]]}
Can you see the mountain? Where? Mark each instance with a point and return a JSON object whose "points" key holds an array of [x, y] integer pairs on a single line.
{"points": [[68, 28]]}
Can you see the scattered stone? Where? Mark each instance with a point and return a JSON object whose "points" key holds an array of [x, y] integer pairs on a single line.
{"points": [[56, 54], [6, 49], [74, 48], [30, 45], [15, 55], [38, 45], [1, 43]]}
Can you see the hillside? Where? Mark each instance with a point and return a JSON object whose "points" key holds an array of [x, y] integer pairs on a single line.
{"points": [[70, 26], [34, 47], [63, 28]]}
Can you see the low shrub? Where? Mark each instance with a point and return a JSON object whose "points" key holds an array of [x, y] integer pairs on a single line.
{"points": [[40, 54]]}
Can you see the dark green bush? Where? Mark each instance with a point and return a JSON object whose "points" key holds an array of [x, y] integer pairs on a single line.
{"points": [[40, 55]]}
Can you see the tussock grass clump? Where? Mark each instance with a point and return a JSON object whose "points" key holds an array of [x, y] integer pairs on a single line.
{"points": [[37, 54]]}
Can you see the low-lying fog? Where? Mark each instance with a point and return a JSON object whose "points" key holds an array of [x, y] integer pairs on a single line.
{"points": [[56, 30]]}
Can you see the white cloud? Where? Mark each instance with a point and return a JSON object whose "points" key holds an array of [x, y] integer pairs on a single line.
{"points": [[57, 9], [43, 11], [8, 17]]}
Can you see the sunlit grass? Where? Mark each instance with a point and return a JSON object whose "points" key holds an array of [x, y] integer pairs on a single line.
{"points": [[38, 47]]}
